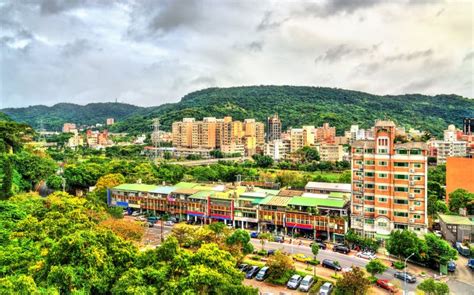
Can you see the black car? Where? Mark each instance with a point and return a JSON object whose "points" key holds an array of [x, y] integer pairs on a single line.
{"points": [[263, 274], [270, 252], [243, 267], [320, 244], [405, 276], [341, 249], [252, 272], [331, 264]]}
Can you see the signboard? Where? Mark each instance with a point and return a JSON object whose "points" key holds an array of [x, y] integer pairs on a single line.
{"points": [[122, 204]]}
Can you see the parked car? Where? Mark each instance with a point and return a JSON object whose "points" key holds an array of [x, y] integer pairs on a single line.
{"points": [[252, 272], [135, 213], [279, 239], [451, 266], [150, 224], [341, 249], [263, 273], [405, 276], [463, 250], [366, 255], [254, 234], [169, 223], [242, 267], [331, 264], [301, 258], [470, 263], [385, 284], [294, 282], [320, 244], [325, 289], [306, 283], [270, 252], [153, 219], [438, 233]]}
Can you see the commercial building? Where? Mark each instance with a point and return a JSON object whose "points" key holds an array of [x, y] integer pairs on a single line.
{"points": [[389, 184], [273, 128], [277, 149], [459, 174], [240, 206], [455, 228]]}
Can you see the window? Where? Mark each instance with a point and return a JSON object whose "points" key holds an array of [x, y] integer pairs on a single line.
{"points": [[369, 162], [417, 216], [383, 163], [417, 228], [400, 226], [358, 150], [417, 177], [383, 175], [382, 151], [369, 185], [369, 198], [382, 224], [415, 152], [369, 151], [384, 212], [369, 221], [417, 165], [369, 210], [369, 174], [402, 152], [382, 141], [401, 176], [417, 203], [417, 190], [358, 173], [383, 187], [400, 164], [400, 214], [401, 201], [359, 162], [401, 189], [383, 200]]}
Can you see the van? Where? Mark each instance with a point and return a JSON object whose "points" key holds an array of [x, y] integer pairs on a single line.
{"points": [[306, 283]]}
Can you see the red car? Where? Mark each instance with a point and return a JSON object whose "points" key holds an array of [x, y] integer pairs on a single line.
{"points": [[385, 284]]}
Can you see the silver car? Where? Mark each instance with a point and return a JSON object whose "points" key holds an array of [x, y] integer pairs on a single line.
{"points": [[294, 282], [306, 283], [325, 289]]}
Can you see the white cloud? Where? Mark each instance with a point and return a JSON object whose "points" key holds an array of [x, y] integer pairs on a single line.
{"points": [[149, 52]]}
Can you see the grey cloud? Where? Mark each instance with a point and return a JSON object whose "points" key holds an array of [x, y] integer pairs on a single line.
{"points": [[76, 48], [420, 85], [204, 80], [410, 56], [468, 56], [57, 6], [440, 12], [333, 7], [336, 53], [255, 46], [267, 23]]}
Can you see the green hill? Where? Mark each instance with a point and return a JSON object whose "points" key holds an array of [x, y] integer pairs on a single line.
{"points": [[296, 106], [55, 116], [310, 105]]}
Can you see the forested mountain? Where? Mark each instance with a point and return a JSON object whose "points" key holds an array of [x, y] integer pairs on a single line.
{"points": [[296, 106], [55, 116]]}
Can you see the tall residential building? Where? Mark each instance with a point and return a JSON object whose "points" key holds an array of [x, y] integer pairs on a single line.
{"points": [[468, 126], [277, 149], [325, 133], [296, 139], [389, 184], [273, 128], [450, 146], [69, 127]]}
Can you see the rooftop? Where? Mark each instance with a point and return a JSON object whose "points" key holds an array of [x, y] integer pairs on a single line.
{"points": [[456, 219], [382, 123], [411, 145], [339, 187], [317, 202], [276, 201], [136, 187]]}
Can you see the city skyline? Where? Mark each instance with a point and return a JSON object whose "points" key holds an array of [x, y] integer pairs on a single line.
{"points": [[148, 54]]}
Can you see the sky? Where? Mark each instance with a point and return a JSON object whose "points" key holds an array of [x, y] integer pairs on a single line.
{"points": [[153, 52]]}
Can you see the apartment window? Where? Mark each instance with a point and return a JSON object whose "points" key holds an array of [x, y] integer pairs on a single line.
{"points": [[383, 200], [401, 201], [417, 177], [382, 141], [369, 185], [359, 162], [383, 163], [383, 212], [417, 228], [358, 150], [383, 175], [401, 176], [369, 151], [417, 190], [369, 174], [369, 210], [382, 151], [401, 189], [382, 224], [400, 164], [400, 214], [369, 162], [415, 152], [417, 203], [369, 221], [369, 198], [400, 226], [383, 187], [402, 152], [417, 165], [417, 216]]}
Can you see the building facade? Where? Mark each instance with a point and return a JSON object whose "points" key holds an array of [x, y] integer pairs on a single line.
{"points": [[459, 174], [325, 133], [468, 126], [69, 127], [389, 184], [273, 128], [330, 152]]}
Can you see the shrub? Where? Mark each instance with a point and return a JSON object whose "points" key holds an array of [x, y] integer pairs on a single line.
{"points": [[316, 286], [372, 279], [336, 276], [314, 262], [399, 265], [255, 257], [262, 252], [282, 280]]}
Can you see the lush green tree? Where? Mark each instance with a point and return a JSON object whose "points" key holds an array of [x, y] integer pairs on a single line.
{"points": [[432, 287], [263, 161], [315, 249], [55, 182], [308, 154], [216, 154], [33, 167], [439, 251], [7, 179], [375, 266], [403, 243], [282, 267], [352, 282], [264, 237], [13, 135], [241, 239], [436, 206], [461, 198], [109, 181]]}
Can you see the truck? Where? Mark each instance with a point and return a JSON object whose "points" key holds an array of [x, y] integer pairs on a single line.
{"points": [[463, 250], [470, 263]]}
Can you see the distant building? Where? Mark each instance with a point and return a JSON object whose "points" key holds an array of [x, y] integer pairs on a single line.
{"points": [[75, 141], [327, 187], [277, 149], [110, 121], [459, 174], [468, 126], [69, 127], [456, 228], [448, 147], [325, 133], [273, 128], [330, 152]]}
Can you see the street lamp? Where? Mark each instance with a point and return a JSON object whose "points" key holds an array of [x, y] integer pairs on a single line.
{"points": [[405, 277]]}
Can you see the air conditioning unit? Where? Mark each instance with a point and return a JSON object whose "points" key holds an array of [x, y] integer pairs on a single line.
{"points": [[412, 208], [412, 183], [412, 170], [412, 220], [412, 196]]}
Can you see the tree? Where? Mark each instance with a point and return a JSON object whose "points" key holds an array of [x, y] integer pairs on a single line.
{"points": [[33, 167], [308, 154], [55, 182], [126, 229], [375, 266], [263, 161], [403, 243], [282, 267], [439, 251], [7, 179], [315, 250], [431, 287], [183, 233], [263, 237], [241, 239], [13, 135], [461, 198], [353, 282], [109, 181]]}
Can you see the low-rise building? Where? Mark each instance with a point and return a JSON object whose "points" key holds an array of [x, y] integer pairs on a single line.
{"points": [[455, 228], [328, 187], [330, 152], [277, 149]]}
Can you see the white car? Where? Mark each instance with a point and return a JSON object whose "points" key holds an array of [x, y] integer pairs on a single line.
{"points": [[366, 255], [135, 213], [325, 289], [169, 222]]}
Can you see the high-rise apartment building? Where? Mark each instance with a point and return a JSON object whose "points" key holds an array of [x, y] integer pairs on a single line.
{"points": [[468, 126], [389, 184], [273, 128], [450, 146], [325, 133]]}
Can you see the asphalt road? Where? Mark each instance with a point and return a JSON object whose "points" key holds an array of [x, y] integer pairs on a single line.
{"points": [[344, 260]]}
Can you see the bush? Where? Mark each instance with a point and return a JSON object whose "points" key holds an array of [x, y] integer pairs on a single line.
{"points": [[336, 276], [283, 279], [262, 252], [255, 257], [372, 279], [314, 262], [316, 286], [399, 265]]}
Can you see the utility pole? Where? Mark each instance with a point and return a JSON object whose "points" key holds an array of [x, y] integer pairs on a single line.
{"points": [[155, 136]]}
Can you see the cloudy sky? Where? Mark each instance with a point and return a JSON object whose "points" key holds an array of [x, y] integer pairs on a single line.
{"points": [[153, 52]]}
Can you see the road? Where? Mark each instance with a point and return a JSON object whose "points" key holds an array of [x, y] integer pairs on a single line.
{"points": [[344, 260]]}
